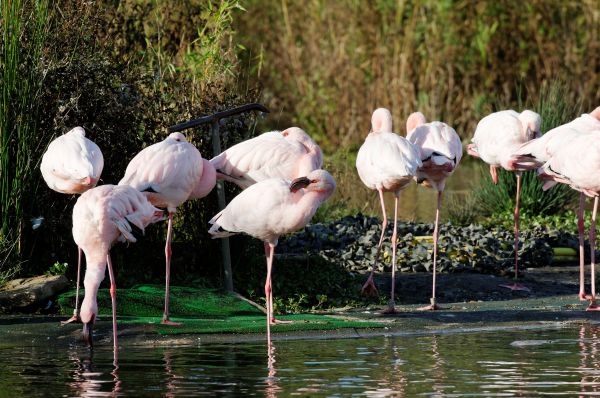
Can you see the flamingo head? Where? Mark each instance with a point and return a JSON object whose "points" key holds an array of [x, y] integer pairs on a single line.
{"points": [[87, 331], [532, 122], [316, 181], [381, 121], [596, 113], [415, 120]]}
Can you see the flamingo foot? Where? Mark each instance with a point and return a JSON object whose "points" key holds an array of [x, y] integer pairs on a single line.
{"points": [[278, 321], [391, 309], [593, 306], [75, 318], [431, 307], [517, 286], [584, 297], [170, 322], [369, 289]]}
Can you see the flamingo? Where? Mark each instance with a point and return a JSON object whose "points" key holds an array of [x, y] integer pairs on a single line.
{"points": [[386, 162], [496, 138], [269, 209], [533, 154], [441, 150], [101, 217], [72, 164], [577, 164], [170, 172], [287, 154]]}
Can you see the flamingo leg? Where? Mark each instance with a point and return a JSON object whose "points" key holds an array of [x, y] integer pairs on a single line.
{"points": [[391, 305], [580, 227], [436, 233], [75, 317], [268, 291], [166, 320], [369, 287], [113, 299], [593, 305], [269, 287], [517, 286]]}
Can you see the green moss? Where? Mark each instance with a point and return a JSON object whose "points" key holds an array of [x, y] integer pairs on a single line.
{"points": [[201, 311]]}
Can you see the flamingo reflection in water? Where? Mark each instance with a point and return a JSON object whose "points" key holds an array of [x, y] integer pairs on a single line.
{"points": [[88, 382], [589, 366]]}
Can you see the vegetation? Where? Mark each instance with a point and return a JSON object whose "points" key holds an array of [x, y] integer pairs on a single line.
{"points": [[326, 65]]}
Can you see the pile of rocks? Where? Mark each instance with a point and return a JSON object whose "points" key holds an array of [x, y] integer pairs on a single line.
{"points": [[352, 242]]}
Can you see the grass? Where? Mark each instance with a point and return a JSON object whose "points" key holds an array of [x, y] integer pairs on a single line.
{"points": [[23, 31]]}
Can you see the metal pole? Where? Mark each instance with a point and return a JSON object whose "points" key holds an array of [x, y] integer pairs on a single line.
{"points": [[227, 274]]}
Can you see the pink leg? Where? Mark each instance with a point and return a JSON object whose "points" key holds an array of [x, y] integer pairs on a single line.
{"points": [[433, 305], [369, 288], [166, 320], [113, 299], [494, 174], [269, 287], [517, 286], [391, 305], [268, 291], [75, 317], [580, 226], [593, 305]]}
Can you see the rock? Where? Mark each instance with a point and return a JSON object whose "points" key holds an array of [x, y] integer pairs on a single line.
{"points": [[24, 292]]}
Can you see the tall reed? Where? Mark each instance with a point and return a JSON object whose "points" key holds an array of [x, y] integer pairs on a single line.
{"points": [[23, 30]]}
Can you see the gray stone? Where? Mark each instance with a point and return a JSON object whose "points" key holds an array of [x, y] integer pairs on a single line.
{"points": [[23, 292]]}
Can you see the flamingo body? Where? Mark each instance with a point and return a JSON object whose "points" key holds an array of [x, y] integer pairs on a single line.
{"points": [[101, 217], [169, 173], [386, 162], [72, 164], [284, 154], [269, 209]]}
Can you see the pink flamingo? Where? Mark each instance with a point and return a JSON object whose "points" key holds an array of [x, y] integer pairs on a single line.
{"points": [[287, 154], [72, 164], [269, 209], [102, 216], [386, 162], [441, 150], [533, 154], [577, 164], [170, 172], [496, 138]]}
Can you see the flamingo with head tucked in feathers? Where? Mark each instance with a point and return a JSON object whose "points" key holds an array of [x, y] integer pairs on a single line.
{"points": [[72, 164], [535, 153], [287, 154], [440, 151], [496, 138], [386, 162], [101, 217], [271, 208], [169, 173]]}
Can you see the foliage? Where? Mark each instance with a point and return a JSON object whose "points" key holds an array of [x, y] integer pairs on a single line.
{"points": [[23, 29], [57, 268], [326, 65]]}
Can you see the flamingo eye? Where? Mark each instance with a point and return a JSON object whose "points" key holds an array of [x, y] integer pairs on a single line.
{"points": [[313, 181]]}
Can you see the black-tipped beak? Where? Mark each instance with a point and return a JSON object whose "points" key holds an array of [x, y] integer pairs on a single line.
{"points": [[87, 333], [299, 183]]}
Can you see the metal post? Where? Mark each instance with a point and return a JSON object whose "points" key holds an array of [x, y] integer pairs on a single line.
{"points": [[225, 252], [216, 141]]}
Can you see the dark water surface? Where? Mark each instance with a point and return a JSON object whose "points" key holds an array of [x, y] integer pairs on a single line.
{"points": [[509, 363]]}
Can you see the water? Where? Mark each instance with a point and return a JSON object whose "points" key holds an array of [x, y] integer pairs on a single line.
{"points": [[538, 362], [416, 202]]}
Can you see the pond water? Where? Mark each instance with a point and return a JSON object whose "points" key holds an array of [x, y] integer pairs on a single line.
{"points": [[416, 203], [504, 363]]}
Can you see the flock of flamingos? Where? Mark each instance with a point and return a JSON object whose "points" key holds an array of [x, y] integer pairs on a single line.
{"points": [[283, 184]]}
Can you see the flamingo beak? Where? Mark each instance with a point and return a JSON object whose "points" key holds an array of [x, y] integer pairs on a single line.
{"points": [[298, 183]]}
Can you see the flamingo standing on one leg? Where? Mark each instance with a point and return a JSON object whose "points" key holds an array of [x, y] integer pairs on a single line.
{"points": [[72, 164], [577, 164], [170, 172], [386, 162], [533, 154], [441, 150], [102, 216], [496, 138], [269, 209], [287, 154]]}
